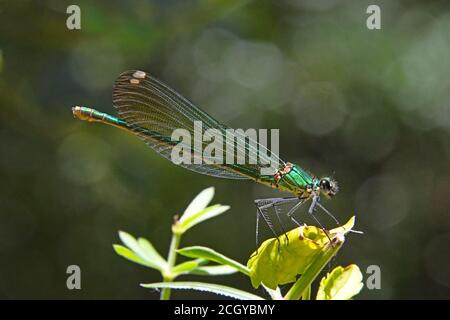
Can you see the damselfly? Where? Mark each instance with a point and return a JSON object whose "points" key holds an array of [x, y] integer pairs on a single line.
{"points": [[152, 110]]}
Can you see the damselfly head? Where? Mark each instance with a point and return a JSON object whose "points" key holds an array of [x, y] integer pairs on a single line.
{"points": [[328, 186]]}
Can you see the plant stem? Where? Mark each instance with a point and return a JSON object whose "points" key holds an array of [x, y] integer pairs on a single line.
{"points": [[171, 259], [304, 282], [307, 293]]}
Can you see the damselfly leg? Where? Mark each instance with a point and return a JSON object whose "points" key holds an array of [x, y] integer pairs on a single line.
{"points": [[262, 210], [315, 202], [264, 205]]}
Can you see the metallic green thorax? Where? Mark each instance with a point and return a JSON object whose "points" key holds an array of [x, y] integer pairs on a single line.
{"points": [[297, 181]]}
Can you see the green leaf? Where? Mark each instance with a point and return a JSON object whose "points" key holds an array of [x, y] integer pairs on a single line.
{"points": [[183, 225], [151, 254], [280, 262], [197, 267], [130, 255], [211, 255], [307, 293], [214, 270], [199, 203], [209, 287], [341, 283], [144, 250], [185, 267], [128, 240]]}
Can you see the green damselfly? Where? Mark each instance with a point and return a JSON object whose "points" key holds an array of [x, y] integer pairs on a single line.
{"points": [[151, 110]]}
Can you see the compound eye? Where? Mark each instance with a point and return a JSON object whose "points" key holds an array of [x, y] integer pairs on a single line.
{"points": [[325, 184]]}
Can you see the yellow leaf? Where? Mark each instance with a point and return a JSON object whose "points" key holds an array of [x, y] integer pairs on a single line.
{"points": [[341, 283], [277, 262]]}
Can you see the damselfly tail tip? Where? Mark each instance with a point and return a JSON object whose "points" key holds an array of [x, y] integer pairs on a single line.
{"points": [[76, 111], [82, 113]]}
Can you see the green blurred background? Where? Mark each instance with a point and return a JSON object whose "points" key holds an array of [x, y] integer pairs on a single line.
{"points": [[369, 106]]}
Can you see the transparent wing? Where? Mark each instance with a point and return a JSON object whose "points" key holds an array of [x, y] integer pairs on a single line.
{"points": [[154, 111]]}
